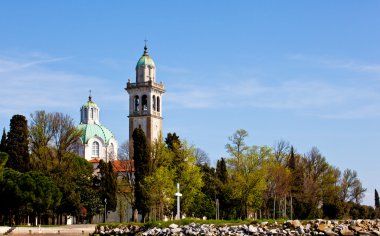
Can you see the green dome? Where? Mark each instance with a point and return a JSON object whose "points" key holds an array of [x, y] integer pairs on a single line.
{"points": [[92, 130], [145, 60]]}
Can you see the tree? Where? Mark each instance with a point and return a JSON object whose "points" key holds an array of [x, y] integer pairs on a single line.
{"points": [[224, 191], [3, 142], [123, 152], [52, 135], [3, 161], [281, 151], [351, 187], [247, 173], [377, 202], [201, 157], [141, 158], [221, 170], [189, 176], [172, 140], [17, 144], [108, 185], [237, 146], [205, 205], [174, 144]]}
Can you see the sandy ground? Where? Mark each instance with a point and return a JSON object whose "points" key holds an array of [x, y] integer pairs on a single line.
{"points": [[56, 230]]}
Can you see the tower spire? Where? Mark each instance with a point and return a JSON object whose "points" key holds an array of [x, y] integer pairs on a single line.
{"points": [[145, 47], [89, 97]]}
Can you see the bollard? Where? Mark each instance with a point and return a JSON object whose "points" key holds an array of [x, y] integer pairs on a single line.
{"points": [[82, 231], [59, 231], [30, 231]]}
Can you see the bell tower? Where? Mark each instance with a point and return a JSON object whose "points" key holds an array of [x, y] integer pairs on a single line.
{"points": [[145, 101]]}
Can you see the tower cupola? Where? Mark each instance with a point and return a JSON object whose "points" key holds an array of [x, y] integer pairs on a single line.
{"points": [[89, 112], [145, 68]]}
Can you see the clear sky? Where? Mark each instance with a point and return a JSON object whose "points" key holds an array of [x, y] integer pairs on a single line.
{"points": [[304, 71]]}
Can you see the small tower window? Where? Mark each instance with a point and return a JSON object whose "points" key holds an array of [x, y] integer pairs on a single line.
{"points": [[158, 103], [137, 104], [92, 113], [95, 149], [154, 102], [85, 114], [144, 103]]}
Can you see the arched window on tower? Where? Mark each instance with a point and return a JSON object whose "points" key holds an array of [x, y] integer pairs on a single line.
{"points": [[92, 113], [85, 115], [137, 104], [154, 102], [144, 103], [158, 103], [95, 149]]}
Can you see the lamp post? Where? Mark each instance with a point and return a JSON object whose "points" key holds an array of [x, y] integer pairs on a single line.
{"points": [[105, 210]]}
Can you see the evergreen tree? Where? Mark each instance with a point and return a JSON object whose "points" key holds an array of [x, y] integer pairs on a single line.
{"points": [[221, 170], [172, 141], [3, 144], [178, 162], [292, 160], [141, 162], [108, 185], [17, 144], [377, 203], [3, 160]]}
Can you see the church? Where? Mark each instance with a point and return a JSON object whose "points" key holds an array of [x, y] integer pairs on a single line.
{"points": [[145, 111]]}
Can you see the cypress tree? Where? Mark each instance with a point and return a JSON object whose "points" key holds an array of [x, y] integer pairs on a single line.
{"points": [[108, 185], [3, 144], [221, 170], [141, 159], [377, 203], [17, 144], [292, 160]]}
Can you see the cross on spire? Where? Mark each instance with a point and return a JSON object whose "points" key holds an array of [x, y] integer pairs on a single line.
{"points": [[145, 47], [89, 97]]}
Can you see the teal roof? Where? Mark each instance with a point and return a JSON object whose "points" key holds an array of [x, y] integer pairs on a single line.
{"points": [[145, 60], [92, 130]]}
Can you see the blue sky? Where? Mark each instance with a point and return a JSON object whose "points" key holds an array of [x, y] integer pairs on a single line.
{"points": [[304, 71]]}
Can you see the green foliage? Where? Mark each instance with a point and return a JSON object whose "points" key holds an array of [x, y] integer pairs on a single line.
{"points": [[189, 177], [3, 142], [28, 193], [17, 144], [205, 204], [247, 173], [377, 202], [3, 161], [108, 185]]}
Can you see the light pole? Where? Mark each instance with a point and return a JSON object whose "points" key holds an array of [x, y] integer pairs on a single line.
{"points": [[105, 210]]}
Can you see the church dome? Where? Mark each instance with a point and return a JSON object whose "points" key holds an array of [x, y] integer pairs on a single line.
{"points": [[91, 130], [145, 60]]}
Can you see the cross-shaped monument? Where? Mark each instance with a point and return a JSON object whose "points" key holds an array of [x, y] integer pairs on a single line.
{"points": [[178, 194]]}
